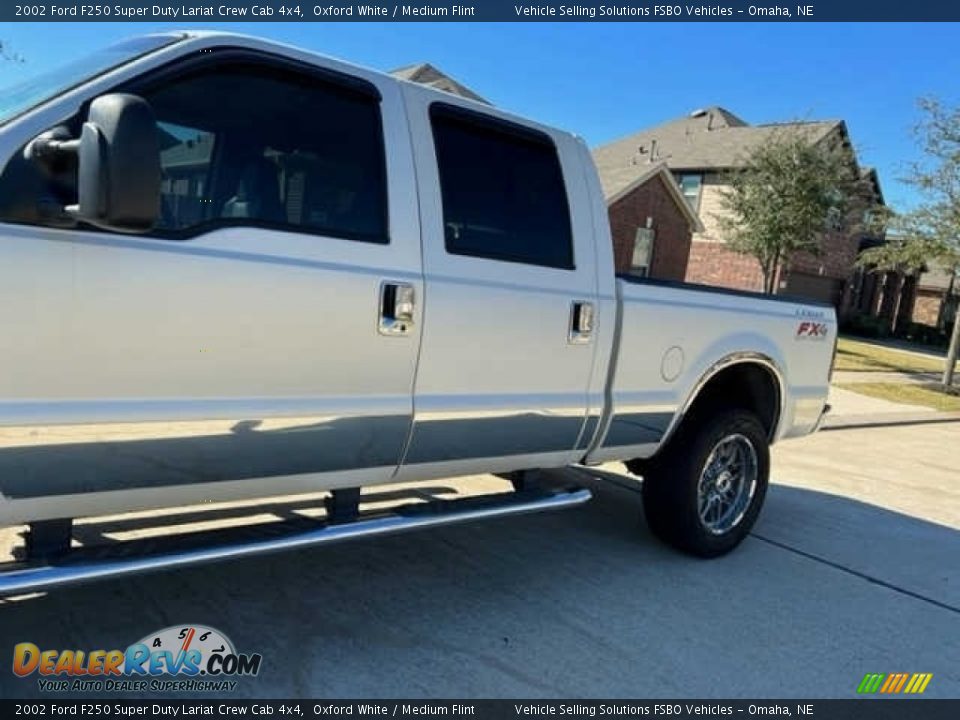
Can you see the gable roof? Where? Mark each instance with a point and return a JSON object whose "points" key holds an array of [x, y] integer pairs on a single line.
{"points": [[870, 175], [427, 74], [708, 139], [661, 171]]}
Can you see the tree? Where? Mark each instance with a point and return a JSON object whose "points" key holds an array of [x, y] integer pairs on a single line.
{"points": [[789, 192], [931, 232]]}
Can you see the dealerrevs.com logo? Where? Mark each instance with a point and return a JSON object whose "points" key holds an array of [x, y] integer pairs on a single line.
{"points": [[180, 658]]}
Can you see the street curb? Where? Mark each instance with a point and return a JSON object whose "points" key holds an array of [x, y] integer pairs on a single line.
{"points": [[856, 422]]}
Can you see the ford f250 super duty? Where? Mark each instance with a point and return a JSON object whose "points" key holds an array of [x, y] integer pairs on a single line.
{"points": [[232, 269]]}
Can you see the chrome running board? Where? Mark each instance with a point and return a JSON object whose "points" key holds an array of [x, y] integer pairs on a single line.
{"points": [[410, 517]]}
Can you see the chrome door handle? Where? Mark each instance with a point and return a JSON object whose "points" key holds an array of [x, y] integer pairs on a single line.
{"points": [[396, 308], [581, 323]]}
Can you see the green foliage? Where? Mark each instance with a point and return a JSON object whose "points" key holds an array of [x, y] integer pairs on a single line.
{"points": [[790, 191], [931, 232]]}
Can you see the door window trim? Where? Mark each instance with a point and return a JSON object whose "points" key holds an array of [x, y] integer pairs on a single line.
{"points": [[331, 79], [525, 133]]}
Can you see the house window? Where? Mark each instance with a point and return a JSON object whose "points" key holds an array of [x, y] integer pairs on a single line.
{"points": [[690, 186], [642, 252]]}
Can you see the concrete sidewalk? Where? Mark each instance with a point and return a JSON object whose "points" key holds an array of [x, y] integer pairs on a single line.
{"points": [[869, 376], [852, 410]]}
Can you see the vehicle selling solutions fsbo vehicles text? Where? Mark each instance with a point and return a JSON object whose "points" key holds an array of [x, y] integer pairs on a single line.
{"points": [[590, 11]]}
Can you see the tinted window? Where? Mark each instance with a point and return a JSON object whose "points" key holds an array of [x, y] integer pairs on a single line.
{"points": [[248, 144], [502, 190], [185, 159]]}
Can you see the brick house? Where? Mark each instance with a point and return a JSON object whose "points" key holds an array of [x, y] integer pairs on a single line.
{"points": [[898, 299], [936, 298], [700, 149], [652, 226]]}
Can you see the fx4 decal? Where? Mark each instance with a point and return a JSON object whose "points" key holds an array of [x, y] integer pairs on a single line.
{"points": [[812, 331]]}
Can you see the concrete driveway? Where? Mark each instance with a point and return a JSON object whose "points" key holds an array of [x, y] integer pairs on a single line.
{"points": [[854, 567]]}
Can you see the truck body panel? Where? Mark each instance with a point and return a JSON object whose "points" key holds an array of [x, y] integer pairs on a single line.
{"points": [[143, 371]]}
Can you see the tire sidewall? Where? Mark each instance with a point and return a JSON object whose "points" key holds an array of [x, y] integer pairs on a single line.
{"points": [[673, 491]]}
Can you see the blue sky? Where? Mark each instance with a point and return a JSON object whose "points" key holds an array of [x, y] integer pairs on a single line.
{"points": [[606, 80]]}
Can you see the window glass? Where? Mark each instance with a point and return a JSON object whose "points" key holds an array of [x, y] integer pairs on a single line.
{"points": [[502, 190], [642, 252], [690, 186], [185, 158], [245, 143]]}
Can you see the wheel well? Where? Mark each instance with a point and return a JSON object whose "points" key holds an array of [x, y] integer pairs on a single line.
{"points": [[746, 386]]}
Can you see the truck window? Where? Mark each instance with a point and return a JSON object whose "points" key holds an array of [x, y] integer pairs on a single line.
{"points": [[502, 190], [253, 144], [245, 142]]}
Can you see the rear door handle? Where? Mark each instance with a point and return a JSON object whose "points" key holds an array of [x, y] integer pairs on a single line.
{"points": [[581, 322], [397, 304]]}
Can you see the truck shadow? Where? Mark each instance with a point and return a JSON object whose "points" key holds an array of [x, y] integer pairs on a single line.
{"points": [[583, 603]]}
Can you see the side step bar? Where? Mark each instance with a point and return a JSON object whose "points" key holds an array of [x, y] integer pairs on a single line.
{"points": [[411, 517]]}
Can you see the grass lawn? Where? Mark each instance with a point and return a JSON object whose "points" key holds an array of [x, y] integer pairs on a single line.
{"points": [[909, 393], [862, 356]]}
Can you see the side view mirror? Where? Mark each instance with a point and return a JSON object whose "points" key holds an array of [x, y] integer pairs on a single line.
{"points": [[118, 164]]}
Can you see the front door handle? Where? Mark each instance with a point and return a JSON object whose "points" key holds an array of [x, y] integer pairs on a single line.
{"points": [[581, 323], [396, 309]]}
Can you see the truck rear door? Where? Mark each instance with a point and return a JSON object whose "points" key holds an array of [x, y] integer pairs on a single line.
{"points": [[510, 282]]}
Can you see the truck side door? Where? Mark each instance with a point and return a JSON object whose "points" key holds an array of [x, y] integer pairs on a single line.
{"points": [[263, 339], [511, 289]]}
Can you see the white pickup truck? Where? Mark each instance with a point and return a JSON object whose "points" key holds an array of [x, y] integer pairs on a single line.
{"points": [[232, 269]]}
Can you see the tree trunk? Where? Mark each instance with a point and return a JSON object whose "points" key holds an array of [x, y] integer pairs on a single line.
{"points": [[953, 351], [770, 274], [765, 271], [942, 312]]}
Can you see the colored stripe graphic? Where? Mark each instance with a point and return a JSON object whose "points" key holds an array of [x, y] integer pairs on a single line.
{"points": [[893, 683], [918, 683], [870, 683]]}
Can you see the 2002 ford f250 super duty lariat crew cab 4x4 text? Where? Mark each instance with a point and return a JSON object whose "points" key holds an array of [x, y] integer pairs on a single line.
{"points": [[231, 269]]}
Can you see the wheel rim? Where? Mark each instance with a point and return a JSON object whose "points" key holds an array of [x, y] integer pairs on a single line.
{"points": [[727, 484]]}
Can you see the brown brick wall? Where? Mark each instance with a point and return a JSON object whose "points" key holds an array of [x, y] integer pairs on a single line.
{"points": [[839, 253], [713, 263], [926, 306], [671, 246]]}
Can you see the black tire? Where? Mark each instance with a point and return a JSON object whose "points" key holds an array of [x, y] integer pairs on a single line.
{"points": [[671, 483]]}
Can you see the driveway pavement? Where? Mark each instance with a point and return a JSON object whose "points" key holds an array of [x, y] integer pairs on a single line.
{"points": [[851, 569]]}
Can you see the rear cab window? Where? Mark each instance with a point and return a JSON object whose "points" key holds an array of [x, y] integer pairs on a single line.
{"points": [[502, 190]]}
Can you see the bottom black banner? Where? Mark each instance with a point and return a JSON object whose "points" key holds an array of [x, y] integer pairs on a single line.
{"points": [[872, 709]]}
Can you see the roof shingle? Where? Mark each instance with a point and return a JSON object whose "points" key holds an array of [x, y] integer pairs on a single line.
{"points": [[709, 139], [427, 74]]}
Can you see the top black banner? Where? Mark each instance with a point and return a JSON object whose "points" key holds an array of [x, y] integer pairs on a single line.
{"points": [[486, 11]]}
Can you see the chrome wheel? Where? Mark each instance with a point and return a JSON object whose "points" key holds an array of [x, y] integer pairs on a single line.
{"points": [[727, 484]]}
